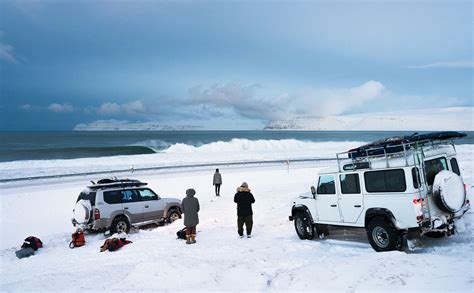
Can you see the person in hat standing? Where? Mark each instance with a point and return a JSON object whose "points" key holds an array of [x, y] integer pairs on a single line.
{"points": [[217, 182], [190, 208], [244, 200]]}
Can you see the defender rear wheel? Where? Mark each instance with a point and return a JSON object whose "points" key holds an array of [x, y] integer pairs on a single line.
{"points": [[303, 226], [382, 236], [120, 224]]}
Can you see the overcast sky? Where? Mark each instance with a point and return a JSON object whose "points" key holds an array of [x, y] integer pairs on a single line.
{"points": [[228, 65]]}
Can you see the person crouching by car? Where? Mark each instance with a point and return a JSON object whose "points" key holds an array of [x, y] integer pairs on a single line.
{"points": [[190, 208], [244, 200]]}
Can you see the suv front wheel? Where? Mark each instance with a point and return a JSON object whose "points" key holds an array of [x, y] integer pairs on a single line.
{"points": [[382, 236], [120, 224], [303, 226]]}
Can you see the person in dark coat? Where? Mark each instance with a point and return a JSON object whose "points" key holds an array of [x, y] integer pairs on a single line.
{"points": [[217, 182], [190, 208], [244, 200]]}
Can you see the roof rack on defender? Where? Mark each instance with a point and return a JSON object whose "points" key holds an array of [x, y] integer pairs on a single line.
{"points": [[116, 183], [395, 147]]}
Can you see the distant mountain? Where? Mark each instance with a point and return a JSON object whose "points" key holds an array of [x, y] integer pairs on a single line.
{"points": [[456, 118], [116, 125]]}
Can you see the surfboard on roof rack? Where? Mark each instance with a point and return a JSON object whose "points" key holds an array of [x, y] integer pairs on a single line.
{"points": [[110, 183], [396, 144]]}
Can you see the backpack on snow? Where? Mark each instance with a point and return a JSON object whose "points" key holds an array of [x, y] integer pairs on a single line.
{"points": [[78, 239], [181, 233], [114, 244], [32, 242]]}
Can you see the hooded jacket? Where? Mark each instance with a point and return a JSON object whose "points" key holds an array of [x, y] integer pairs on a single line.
{"points": [[190, 208], [217, 178], [244, 200]]}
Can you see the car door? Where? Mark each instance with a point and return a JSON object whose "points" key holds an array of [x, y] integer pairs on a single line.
{"points": [[350, 199], [327, 200], [132, 205], [154, 206]]}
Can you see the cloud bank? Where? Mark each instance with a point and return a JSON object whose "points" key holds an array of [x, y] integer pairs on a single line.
{"points": [[463, 64], [110, 108], [6, 51], [247, 102], [61, 108]]}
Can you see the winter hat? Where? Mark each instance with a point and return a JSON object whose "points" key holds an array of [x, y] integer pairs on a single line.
{"points": [[244, 185], [190, 192]]}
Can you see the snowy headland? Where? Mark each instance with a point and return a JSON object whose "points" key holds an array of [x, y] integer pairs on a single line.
{"points": [[275, 259], [439, 119]]}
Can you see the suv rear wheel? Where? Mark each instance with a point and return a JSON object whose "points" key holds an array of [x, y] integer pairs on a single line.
{"points": [[303, 226], [120, 224], [173, 215], [382, 236]]}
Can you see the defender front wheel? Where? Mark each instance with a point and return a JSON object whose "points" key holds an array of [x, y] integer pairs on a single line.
{"points": [[303, 226], [382, 236]]}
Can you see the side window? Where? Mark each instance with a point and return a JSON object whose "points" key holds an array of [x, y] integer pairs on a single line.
{"points": [[147, 194], [112, 197], [385, 181], [375, 181], [454, 166], [415, 175], [350, 183], [395, 180], [130, 196], [326, 185], [432, 167]]}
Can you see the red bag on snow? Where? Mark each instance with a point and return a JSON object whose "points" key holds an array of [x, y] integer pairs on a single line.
{"points": [[78, 239]]}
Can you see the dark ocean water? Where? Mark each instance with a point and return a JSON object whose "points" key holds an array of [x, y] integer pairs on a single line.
{"points": [[76, 144]]}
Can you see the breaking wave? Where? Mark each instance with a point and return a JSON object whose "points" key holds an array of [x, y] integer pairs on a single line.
{"points": [[263, 146]]}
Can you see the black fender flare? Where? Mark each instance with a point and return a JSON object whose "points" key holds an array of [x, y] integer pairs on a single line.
{"points": [[300, 209], [381, 213]]}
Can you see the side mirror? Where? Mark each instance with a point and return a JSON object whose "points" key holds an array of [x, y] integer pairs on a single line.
{"points": [[313, 191]]}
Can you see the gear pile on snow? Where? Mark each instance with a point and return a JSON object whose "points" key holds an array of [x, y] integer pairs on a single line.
{"points": [[29, 246], [115, 242]]}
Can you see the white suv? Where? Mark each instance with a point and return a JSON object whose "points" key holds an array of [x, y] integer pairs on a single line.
{"points": [[392, 188], [118, 204]]}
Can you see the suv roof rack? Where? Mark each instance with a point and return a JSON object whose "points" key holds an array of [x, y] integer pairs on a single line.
{"points": [[113, 183], [392, 147]]}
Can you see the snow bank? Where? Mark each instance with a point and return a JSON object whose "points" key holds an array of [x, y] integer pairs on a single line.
{"points": [[273, 260]]}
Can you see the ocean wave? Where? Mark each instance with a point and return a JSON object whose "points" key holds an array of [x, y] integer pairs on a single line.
{"points": [[245, 145], [155, 144]]}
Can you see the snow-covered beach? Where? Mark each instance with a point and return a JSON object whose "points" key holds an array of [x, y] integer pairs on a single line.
{"points": [[273, 260]]}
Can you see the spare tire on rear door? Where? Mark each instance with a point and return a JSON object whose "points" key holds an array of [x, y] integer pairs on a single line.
{"points": [[448, 191], [82, 211]]}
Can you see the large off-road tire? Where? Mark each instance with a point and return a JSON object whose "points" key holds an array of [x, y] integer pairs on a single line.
{"points": [[383, 236], [120, 224], [303, 226], [173, 215]]}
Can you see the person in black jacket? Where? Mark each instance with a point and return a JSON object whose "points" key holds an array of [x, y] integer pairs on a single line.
{"points": [[244, 200]]}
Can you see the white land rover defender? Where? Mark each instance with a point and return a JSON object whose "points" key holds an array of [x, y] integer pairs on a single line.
{"points": [[392, 188]]}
